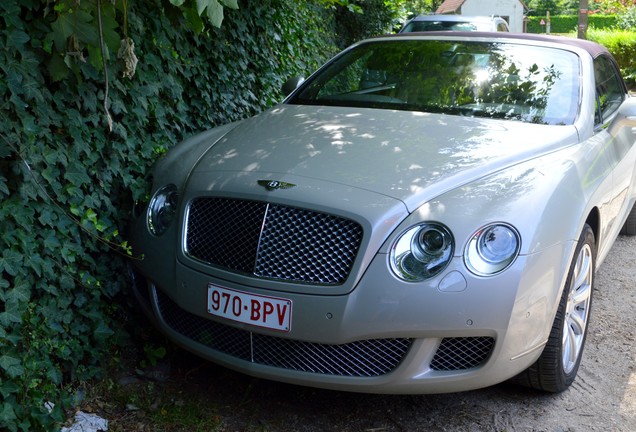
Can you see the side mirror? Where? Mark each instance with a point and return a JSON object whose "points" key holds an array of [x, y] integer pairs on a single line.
{"points": [[628, 109], [625, 120], [291, 85]]}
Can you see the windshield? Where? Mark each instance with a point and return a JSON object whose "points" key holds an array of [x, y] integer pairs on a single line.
{"points": [[490, 79]]}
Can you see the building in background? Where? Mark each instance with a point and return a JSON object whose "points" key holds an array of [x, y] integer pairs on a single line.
{"points": [[512, 11]]}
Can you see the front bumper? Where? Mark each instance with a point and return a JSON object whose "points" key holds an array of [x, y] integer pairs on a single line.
{"points": [[384, 336]]}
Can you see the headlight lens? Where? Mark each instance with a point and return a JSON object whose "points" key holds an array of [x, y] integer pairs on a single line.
{"points": [[422, 252], [162, 209], [492, 249]]}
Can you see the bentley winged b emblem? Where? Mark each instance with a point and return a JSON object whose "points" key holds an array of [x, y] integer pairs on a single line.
{"points": [[275, 184]]}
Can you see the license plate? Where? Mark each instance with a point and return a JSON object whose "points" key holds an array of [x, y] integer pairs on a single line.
{"points": [[263, 311]]}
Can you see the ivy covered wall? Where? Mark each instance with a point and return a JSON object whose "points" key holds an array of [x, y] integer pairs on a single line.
{"points": [[67, 182]]}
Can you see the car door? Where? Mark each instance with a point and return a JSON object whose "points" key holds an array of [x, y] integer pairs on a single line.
{"points": [[610, 95]]}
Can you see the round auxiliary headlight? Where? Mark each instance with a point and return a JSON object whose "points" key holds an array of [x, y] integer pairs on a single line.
{"points": [[422, 252], [162, 209], [492, 249]]}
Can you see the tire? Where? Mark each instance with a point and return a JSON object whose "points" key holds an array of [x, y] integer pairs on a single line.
{"points": [[629, 227], [558, 365]]}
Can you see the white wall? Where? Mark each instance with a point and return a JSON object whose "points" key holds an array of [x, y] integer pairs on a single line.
{"points": [[505, 8]]}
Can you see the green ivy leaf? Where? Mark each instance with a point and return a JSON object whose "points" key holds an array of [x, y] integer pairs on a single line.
{"points": [[7, 414], [76, 174], [57, 68], [95, 56], [17, 38], [7, 388], [177, 2], [194, 20], [61, 31], [10, 262], [9, 317], [11, 14], [110, 26], [51, 242], [84, 26], [47, 217], [3, 184], [19, 293], [11, 365], [55, 376], [215, 13], [11, 314], [201, 5]]}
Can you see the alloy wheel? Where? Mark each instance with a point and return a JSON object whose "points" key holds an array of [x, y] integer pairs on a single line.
{"points": [[577, 309]]}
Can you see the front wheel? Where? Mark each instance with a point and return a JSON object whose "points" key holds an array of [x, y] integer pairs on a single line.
{"points": [[558, 365]]}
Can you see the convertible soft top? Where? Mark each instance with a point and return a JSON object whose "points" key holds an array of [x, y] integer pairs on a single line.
{"points": [[592, 48]]}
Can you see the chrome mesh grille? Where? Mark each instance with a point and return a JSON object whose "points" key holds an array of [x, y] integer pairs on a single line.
{"points": [[366, 358], [462, 353], [224, 232], [272, 241]]}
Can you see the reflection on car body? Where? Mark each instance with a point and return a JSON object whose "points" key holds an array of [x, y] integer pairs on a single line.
{"points": [[423, 214]]}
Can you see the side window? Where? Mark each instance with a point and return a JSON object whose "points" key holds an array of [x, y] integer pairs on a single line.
{"points": [[610, 92]]}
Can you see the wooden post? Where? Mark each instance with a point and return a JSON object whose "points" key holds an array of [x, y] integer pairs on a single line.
{"points": [[582, 29]]}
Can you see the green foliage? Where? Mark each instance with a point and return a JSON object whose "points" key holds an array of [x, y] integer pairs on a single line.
{"points": [[213, 10], [569, 23], [571, 7], [347, 4], [67, 184], [611, 6], [627, 20], [622, 45], [73, 35], [376, 18], [541, 7], [416, 7]]}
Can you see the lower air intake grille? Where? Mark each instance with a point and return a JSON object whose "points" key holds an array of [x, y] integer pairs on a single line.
{"points": [[462, 353], [272, 241], [366, 358]]}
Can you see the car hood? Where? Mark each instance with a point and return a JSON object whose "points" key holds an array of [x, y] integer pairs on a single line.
{"points": [[409, 156]]}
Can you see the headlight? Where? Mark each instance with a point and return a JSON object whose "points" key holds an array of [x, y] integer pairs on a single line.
{"points": [[492, 249], [162, 209], [422, 252]]}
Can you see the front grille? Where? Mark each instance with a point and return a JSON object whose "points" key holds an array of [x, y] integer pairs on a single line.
{"points": [[365, 358], [272, 241], [462, 353]]}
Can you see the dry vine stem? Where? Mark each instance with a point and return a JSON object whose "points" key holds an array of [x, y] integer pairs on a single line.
{"points": [[101, 46]]}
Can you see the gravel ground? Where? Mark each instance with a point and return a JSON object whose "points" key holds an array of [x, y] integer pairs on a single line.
{"points": [[603, 397]]}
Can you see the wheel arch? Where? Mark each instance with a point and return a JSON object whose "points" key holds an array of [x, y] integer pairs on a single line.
{"points": [[594, 221]]}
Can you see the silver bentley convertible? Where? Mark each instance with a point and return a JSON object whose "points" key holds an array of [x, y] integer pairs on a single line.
{"points": [[423, 214]]}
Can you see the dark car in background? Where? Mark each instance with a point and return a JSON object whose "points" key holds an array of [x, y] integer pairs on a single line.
{"points": [[425, 23]]}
